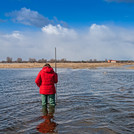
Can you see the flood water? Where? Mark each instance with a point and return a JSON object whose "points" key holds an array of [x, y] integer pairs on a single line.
{"points": [[89, 101]]}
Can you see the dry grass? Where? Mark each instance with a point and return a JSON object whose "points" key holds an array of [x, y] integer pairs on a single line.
{"points": [[63, 65], [132, 67]]}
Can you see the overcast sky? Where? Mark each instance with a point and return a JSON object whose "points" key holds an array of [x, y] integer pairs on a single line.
{"points": [[79, 29]]}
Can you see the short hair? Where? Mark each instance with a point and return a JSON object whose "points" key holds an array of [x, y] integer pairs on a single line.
{"points": [[47, 65]]}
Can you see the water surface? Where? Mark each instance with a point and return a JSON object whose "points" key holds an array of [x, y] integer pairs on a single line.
{"points": [[95, 101]]}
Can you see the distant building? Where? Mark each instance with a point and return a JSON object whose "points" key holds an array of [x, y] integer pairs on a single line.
{"points": [[109, 61], [112, 61]]}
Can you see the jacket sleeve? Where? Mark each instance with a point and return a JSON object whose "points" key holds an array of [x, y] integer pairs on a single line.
{"points": [[55, 78], [38, 79]]}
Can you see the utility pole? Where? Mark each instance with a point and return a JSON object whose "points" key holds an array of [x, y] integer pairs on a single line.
{"points": [[55, 72]]}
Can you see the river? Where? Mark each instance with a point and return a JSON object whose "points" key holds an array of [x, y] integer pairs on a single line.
{"points": [[89, 101]]}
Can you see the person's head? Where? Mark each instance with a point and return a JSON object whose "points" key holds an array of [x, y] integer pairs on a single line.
{"points": [[47, 65]]}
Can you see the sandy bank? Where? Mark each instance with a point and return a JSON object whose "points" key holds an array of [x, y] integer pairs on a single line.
{"points": [[64, 65]]}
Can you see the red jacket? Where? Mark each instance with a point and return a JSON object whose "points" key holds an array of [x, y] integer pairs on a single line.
{"points": [[46, 80]]}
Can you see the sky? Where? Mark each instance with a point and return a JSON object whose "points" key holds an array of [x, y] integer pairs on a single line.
{"points": [[79, 29]]}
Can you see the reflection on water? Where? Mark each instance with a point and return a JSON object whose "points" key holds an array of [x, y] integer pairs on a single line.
{"points": [[48, 125], [90, 101]]}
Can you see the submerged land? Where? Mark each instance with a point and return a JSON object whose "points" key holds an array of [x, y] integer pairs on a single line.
{"points": [[66, 65]]}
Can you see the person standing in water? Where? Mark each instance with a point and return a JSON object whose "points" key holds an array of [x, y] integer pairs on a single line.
{"points": [[45, 80]]}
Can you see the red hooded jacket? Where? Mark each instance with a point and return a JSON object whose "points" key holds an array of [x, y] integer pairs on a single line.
{"points": [[46, 80]]}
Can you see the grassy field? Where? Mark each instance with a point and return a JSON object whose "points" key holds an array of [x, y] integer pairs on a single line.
{"points": [[64, 65]]}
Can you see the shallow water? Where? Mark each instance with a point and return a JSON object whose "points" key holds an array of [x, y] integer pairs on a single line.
{"points": [[89, 101]]}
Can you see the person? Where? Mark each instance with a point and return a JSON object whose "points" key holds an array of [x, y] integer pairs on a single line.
{"points": [[46, 80]]}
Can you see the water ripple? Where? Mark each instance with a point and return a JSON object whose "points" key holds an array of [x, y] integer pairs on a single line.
{"points": [[95, 101]]}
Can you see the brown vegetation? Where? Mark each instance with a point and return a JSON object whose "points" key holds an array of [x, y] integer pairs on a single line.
{"points": [[131, 67], [63, 65]]}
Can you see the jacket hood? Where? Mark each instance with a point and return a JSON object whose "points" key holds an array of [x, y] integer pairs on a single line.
{"points": [[48, 69]]}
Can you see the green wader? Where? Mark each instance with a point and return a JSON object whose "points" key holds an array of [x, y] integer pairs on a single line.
{"points": [[51, 99]]}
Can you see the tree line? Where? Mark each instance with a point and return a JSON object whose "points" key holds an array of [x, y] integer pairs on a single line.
{"points": [[63, 60], [20, 60], [33, 60]]}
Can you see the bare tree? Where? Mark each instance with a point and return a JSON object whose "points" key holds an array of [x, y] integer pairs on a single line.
{"points": [[90, 60], [52, 60], [32, 60], [63, 60], [42, 60], [19, 60], [106, 60], [9, 60]]}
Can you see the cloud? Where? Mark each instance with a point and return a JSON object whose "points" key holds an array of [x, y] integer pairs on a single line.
{"points": [[111, 42], [97, 42], [14, 35], [29, 17], [58, 30], [32, 18], [126, 1]]}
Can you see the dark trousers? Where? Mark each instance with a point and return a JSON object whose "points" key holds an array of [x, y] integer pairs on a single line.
{"points": [[51, 99]]}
